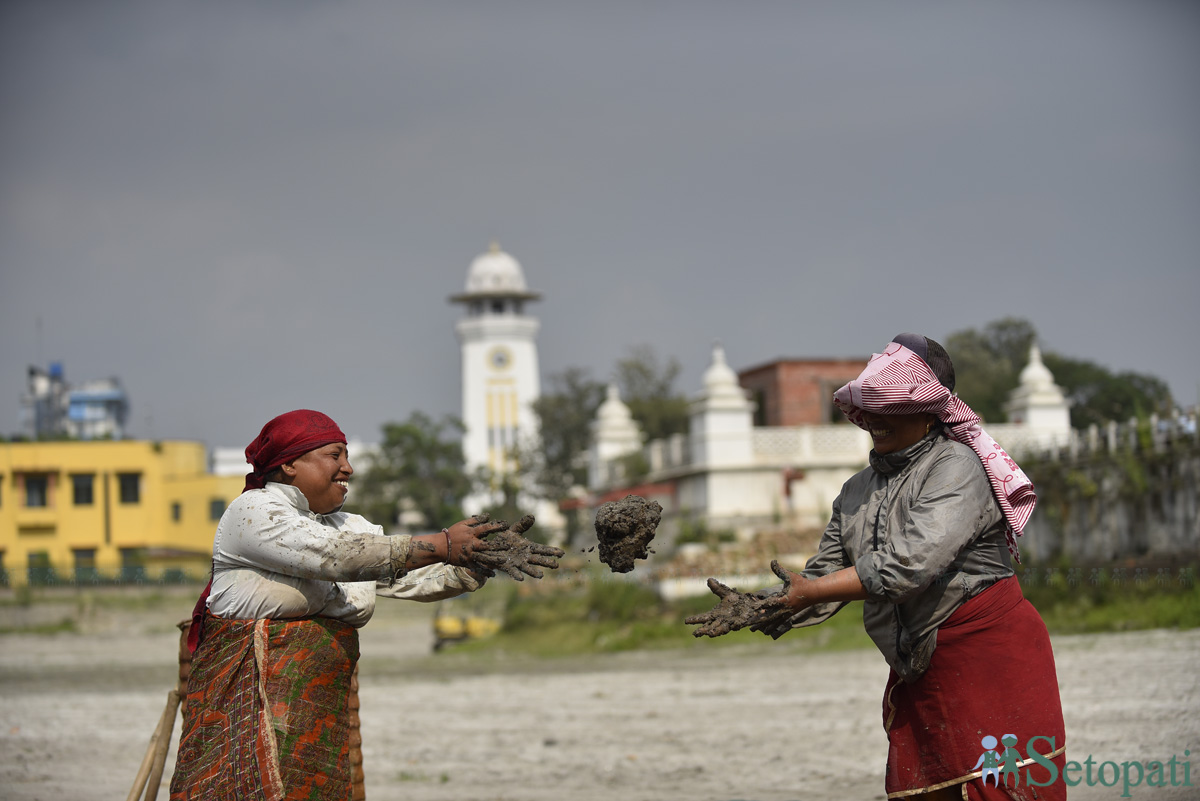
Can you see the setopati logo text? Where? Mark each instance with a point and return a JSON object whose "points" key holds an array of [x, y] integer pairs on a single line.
{"points": [[1004, 767]]}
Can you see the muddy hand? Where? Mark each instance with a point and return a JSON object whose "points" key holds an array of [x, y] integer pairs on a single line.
{"points": [[508, 551], [735, 611], [779, 604], [777, 614], [798, 591], [725, 616], [466, 535]]}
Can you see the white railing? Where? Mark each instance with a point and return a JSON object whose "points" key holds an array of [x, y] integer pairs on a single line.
{"points": [[811, 446], [845, 445], [1020, 439], [1156, 434]]}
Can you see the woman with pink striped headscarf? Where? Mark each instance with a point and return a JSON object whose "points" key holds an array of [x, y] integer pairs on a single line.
{"points": [[926, 537]]}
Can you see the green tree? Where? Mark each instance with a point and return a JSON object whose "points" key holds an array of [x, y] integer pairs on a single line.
{"points": [[419, 464], [987, 363], [565, 414], [648, 389], [1098, 395], [567, 410], [509, 506]]}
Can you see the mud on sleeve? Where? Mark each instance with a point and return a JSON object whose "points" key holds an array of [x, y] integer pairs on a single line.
{"points": [[273, 536]]}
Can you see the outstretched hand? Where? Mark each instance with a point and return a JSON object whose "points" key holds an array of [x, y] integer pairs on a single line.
{"points": [[466, 535], [760, 611], [508, 551]]}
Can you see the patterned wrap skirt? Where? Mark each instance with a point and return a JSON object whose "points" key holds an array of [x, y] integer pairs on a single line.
{"points": [[992, 674], [267, 713]]}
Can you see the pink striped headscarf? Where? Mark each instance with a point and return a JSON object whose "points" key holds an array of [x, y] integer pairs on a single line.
{"points": [[898, 381]]}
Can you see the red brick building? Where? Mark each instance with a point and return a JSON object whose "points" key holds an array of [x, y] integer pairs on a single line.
{"points": [[797, 392]]}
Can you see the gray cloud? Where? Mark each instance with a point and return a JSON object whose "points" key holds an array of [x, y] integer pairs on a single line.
{"points": [[240, 208]]}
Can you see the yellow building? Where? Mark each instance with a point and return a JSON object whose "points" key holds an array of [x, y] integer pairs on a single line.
{"points": [[98, 511]]}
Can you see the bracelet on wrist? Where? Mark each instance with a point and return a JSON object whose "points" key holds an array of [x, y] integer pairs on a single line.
{"points": [[446, 531]]}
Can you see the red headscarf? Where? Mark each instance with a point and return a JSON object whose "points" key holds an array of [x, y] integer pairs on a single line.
{"points": [[286, 437]]}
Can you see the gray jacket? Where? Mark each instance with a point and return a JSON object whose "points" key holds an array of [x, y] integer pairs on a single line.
{"points": [[925, 534]]}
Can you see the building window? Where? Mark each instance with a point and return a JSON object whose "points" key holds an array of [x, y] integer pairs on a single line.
{"points": [[216, 508], [40, 570], [81, 486], [37, 491], [131, 487], [498, 306], [85, 565], [177, 511], [133, 565]]}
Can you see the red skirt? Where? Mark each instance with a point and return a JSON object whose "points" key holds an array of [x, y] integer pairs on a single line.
{"points": [[991, 678], [267, 714]]}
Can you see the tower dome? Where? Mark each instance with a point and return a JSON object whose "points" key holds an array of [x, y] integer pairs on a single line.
{"points": [[496, 273]]}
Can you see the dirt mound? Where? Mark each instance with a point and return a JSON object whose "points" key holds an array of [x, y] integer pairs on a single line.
{"points": [[625, 529]]}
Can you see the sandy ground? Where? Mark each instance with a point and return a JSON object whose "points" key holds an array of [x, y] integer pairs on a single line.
{"points": [[767, 723]]}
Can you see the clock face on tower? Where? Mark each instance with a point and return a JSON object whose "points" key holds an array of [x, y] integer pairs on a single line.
{"points": [[499, 358]]}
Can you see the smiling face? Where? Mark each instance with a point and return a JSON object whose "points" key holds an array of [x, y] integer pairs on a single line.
{"points": [[895, 432], [322, 475]]}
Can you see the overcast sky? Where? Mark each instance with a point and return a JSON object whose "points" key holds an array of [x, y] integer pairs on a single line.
{"points": [[240, 208]]}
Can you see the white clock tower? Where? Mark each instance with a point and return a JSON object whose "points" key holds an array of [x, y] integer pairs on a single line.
{"points": [[499, 365]]}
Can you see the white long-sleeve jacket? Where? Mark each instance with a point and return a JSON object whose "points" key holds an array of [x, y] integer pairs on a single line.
{"points": [[274, 558]]}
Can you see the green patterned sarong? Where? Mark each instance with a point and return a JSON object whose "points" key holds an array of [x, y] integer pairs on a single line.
{"points": [[266, 716]]}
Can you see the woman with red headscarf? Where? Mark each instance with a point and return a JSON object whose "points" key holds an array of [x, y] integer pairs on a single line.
{"points": [[926, 537], [275, 634]]}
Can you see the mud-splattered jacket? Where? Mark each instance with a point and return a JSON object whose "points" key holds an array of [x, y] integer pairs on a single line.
{"points": [[275, 558], [923, 531]]}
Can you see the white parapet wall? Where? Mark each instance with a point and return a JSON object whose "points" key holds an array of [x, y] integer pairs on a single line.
{"points": [[670, 589], [811, 446]]}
